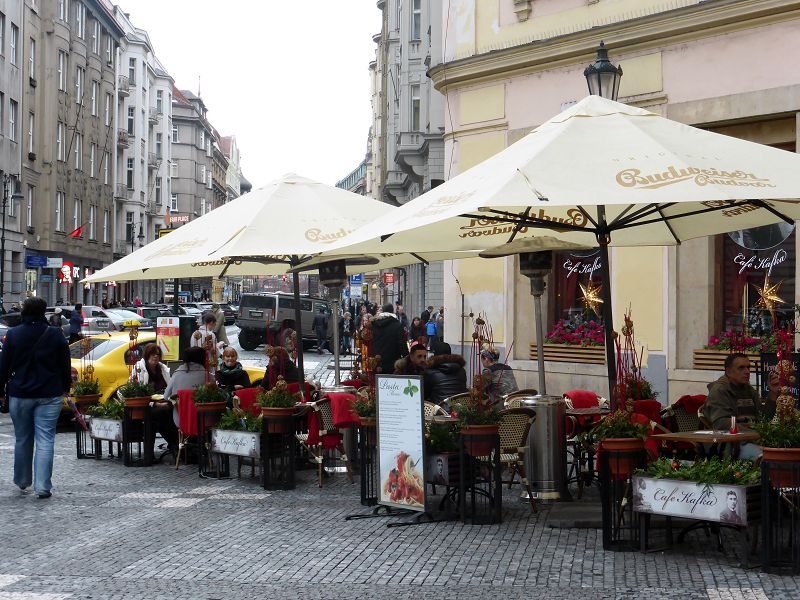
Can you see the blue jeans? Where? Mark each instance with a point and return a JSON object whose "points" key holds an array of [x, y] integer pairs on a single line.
{"points": [[35, 421]]}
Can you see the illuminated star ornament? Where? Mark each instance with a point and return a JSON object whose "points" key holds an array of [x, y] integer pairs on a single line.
{"points": [[768, 295], [591, 297]]}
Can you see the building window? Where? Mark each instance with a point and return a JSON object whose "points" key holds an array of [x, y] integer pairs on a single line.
{"points": [[202, 139], [29, 210], [107, 119], [159, 145], [129, 226], [106, 224], [415, 108], [2, 105], [80, 20], [129, 174], [203, 173], [132, 71], [96, 36], [92, 158], [131, 119], [106, 168], [60, 150], [416, 20], [160, 101], [62, 71], [78, 152], [173, 168], [92, 218], [76, 214], [59, 211], [175, 133], [13, 108], [80, 76], [31, 122], [32, 60], [173, 202], [2, 34], [95, 88], [158, 191], [14, 43], [63, 9], [203, 207], [109, 51]]}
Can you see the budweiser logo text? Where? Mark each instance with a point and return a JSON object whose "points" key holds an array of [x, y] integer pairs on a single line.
{"points": [[634, 178]]}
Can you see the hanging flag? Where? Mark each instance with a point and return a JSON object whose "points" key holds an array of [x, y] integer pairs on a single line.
{"points": [[77, 232]]}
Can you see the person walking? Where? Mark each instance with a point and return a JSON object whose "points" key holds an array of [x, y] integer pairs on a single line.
{"points": [[426, 314], [388, 338], [75, 323], [320, 326], [35, 371], [346, 328], [219, 328]]}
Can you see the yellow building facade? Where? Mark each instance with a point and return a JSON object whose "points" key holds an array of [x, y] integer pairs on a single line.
{"points": [[722, 65]]}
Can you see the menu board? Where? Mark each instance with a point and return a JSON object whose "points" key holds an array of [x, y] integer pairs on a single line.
{"points": [[401, 464]]}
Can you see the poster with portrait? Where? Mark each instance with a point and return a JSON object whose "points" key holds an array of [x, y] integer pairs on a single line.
{"points": [[401, 463], [689, 499]]}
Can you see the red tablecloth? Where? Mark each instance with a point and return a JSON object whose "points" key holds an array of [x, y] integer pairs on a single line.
{"points": [[187, 412], [248, 401]]}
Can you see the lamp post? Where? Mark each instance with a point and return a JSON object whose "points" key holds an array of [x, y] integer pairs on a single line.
{"points": [[8, 180], [139, 237], [603, 79]]}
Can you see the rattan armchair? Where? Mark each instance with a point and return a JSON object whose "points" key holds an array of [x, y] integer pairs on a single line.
{"points": [[515, 423]]}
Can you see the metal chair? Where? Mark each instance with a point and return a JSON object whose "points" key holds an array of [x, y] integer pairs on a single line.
{"points": [[329, 438], [514, 399], [515, 424]]}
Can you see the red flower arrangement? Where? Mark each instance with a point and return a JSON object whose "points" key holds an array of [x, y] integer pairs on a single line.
{"points": [[577, 332]]}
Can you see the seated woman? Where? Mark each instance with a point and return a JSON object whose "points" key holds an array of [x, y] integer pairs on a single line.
{"points": [[445, 376], [280, 365], [190, 374], [230, 375], [501, 377], [150, 369]]}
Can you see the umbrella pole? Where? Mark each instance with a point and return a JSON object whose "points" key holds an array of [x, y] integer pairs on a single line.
{"points": [[608, 320], [298, 325]]}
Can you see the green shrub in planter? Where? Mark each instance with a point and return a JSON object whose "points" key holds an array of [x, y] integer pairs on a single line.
{"points": [[136, 389]]}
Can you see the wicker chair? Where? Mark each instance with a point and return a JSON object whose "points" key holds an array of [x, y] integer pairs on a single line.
{"points": [[514, 399], [432, 409], [329, 439], [515, 423]]}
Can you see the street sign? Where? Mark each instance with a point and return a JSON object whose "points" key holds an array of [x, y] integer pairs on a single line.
{"points": [[357, 279], [35, 260], [388, 278]]}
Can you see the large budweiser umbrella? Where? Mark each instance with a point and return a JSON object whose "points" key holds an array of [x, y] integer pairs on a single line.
{"points": [[602, 173]]}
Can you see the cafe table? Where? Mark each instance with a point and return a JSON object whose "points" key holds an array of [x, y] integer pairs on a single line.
{"points": [[707, 436]]}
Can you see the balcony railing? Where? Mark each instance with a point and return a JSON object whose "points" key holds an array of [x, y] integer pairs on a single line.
{"points": [[154, 115], [121, 191], [123, 139], [123, 86], [152, 160]]}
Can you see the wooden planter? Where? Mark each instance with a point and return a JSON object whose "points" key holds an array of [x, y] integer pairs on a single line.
{"points": [[783, 478], [594, 355], [713, 360], [210, 406], [137, 405], [622, 459], [275, 419], [84, 402], [475, 442]]}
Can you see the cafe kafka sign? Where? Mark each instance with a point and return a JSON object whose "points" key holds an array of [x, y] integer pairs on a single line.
{"points": [[754, 262]]}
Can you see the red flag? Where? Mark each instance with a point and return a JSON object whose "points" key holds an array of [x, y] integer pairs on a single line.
{"points": [[77, 232]]}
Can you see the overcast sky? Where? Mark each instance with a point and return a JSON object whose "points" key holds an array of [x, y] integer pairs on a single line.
{"points": [[289, 79]]}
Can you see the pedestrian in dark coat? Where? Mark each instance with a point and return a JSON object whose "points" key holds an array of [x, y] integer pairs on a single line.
{"points": [[320, 326], [388, 338], [445, 376]]}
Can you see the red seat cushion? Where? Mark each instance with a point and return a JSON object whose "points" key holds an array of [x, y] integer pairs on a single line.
{"points": [[650, 408], [582, 398], [248, 400], [692, 402]]}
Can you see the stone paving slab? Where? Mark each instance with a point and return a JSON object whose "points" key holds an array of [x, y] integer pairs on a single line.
{"points": [[113, 532]]}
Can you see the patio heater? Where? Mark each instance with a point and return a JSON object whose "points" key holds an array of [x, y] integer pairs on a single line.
{"points": [[603, 79], [333, 275], [535, 265]]}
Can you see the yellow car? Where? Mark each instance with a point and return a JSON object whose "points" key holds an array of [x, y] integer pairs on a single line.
{"points": [[108, 354]]}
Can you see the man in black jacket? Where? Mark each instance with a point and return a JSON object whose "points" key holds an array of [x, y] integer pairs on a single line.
{"points": [[388, 338], [35, 371]]}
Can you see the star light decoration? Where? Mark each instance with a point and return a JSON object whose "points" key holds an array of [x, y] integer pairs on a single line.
{"points": [[591, 296], [768, 295]]}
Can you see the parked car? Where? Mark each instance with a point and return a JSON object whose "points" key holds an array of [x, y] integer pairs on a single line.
{"points": [[150, 312], [109, 354], [230, 315], [120, 316], [257, 310]]}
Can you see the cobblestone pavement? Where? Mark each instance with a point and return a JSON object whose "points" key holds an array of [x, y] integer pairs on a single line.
{"points": [[111, 532]]}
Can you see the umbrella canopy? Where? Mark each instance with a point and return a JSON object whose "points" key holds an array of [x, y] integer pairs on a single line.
{"points": [[599, 173], [658, 181]]}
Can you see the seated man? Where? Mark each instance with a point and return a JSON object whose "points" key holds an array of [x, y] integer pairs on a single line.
{"points": [[414, 363], [732, 395]]}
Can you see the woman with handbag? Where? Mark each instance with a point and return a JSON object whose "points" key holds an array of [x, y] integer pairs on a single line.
{"points": [[35, 372]]}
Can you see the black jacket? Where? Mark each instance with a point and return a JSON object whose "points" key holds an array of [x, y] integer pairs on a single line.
{"points": [[388, 340], [445, 377], [34, 368], [227, 378]]}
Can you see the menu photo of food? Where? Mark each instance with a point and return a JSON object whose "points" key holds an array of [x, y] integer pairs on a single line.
{"points": [[403, 483]]}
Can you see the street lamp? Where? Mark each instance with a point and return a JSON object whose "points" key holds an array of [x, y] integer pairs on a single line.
{"points": [[11, 180], [603, 79], [602, 76]]}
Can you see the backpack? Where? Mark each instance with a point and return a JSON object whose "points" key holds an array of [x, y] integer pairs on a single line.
{"points": [[430, 328]]}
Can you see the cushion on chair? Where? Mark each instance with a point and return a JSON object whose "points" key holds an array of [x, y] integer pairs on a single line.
{"points": [[247, 400], [187, 412], [650, 408], [295, 387], [582, 398], [691, 402]]}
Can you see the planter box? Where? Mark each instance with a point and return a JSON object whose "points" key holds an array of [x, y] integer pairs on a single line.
{"points": [[712, 360], [106, 429], [595, 355], [692, 500], [237, 443]]}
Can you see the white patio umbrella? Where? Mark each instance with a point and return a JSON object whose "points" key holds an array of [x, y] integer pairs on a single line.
{"points": [[602, 173]]}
